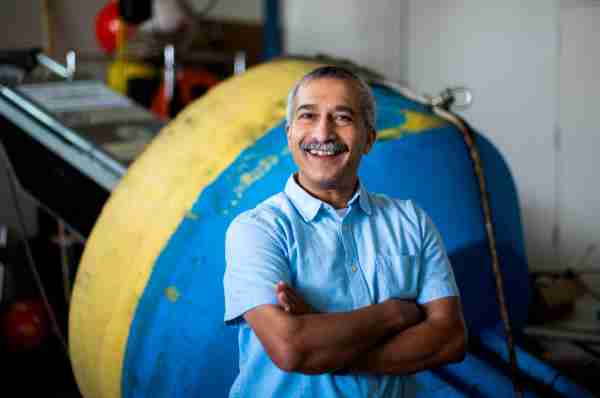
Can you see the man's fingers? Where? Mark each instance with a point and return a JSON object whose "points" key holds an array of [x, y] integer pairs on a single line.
{"points": [[283, 300], [294, 297], [288, 290], [283, 296], [283, 287], [290, 300], [280, 286]]}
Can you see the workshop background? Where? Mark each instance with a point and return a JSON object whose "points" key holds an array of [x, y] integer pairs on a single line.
{"points": [[531, 68]]}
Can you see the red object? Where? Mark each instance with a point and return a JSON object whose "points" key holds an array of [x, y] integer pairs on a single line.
{"points": [[107, 26], [24, 325], [194, 82], [190, 84]]}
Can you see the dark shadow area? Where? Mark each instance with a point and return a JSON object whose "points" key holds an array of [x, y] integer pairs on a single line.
{"points": [[34, 361], [527, 382], [475, 278]]}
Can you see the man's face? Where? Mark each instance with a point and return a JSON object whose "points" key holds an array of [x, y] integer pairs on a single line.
{"points": [[327, 135]]}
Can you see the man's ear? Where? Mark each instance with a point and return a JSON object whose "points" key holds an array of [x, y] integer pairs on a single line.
{"points": [[287, 135], [371, 138]]}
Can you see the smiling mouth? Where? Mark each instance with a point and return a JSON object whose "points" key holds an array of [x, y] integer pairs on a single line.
{"points": [[327, 149]]}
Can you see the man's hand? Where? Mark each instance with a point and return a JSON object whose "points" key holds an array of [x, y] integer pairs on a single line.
{"points": [[291, 301], [409, 312], [439, 339]]}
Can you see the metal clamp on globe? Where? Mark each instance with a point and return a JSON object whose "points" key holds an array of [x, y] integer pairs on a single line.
{"points": [[457, 98]]}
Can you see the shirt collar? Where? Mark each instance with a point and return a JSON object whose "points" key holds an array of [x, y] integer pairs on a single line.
{"points": [[309, 206]]}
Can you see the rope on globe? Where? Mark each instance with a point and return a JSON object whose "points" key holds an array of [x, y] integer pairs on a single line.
{"points": [[441, 110]]}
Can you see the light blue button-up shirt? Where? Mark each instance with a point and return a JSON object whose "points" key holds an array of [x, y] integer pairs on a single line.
{"points": [[382, 248]]}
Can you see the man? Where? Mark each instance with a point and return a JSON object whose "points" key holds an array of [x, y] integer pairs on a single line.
{"points": [[337, 292]]}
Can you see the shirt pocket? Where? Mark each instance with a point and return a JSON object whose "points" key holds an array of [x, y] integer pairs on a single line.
{"points": [[397, 276]]}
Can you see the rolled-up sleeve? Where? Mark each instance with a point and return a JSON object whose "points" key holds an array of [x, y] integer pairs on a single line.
{"points": [[437, 278], [255, 261]]}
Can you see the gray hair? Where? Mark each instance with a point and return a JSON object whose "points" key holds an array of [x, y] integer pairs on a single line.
{"points": [[366, 99]]}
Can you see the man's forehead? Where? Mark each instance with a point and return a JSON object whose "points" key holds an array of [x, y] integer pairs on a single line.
{"points": [[344, 92]]}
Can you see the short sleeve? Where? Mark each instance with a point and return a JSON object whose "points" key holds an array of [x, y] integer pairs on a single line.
{"points": [[255, 261], [437, 278]]}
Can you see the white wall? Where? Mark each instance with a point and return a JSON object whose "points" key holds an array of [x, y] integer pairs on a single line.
{"points": [[507, 53], [14, 17], [371, 33], [533, 69], [238, 10], [579, 189], [21, 24]]}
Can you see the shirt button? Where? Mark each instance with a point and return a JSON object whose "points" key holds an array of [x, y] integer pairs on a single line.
{"points": [[354, 268]]}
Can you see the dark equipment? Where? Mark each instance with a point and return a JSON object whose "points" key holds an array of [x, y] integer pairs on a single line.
{"points": [[70, 141]]}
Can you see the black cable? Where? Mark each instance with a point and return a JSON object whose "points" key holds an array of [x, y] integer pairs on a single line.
{"points": [[588, 350]]}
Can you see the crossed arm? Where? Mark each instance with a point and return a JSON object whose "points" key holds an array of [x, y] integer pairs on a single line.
{"points": [[393, 337]]}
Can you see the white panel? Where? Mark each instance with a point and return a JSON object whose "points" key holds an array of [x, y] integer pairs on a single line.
{"points": [[370, 33], [579, 88], [239, 10], [75, 25], [507, 53], [14, 16]]}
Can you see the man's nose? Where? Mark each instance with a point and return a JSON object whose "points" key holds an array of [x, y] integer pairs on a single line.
{"points": [[324, 128]]}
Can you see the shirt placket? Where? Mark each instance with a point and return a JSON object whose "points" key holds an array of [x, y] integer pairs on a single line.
{"points": [[359, 288]]}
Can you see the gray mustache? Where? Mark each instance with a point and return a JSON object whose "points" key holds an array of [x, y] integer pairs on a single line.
{"points": [[326, 146]]}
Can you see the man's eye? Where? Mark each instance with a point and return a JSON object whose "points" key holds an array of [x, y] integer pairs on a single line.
{"points": [[306, 115], [343, 119]]}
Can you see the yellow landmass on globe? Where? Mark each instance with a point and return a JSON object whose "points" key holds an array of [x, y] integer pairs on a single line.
{"points": [[415, 122]]}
